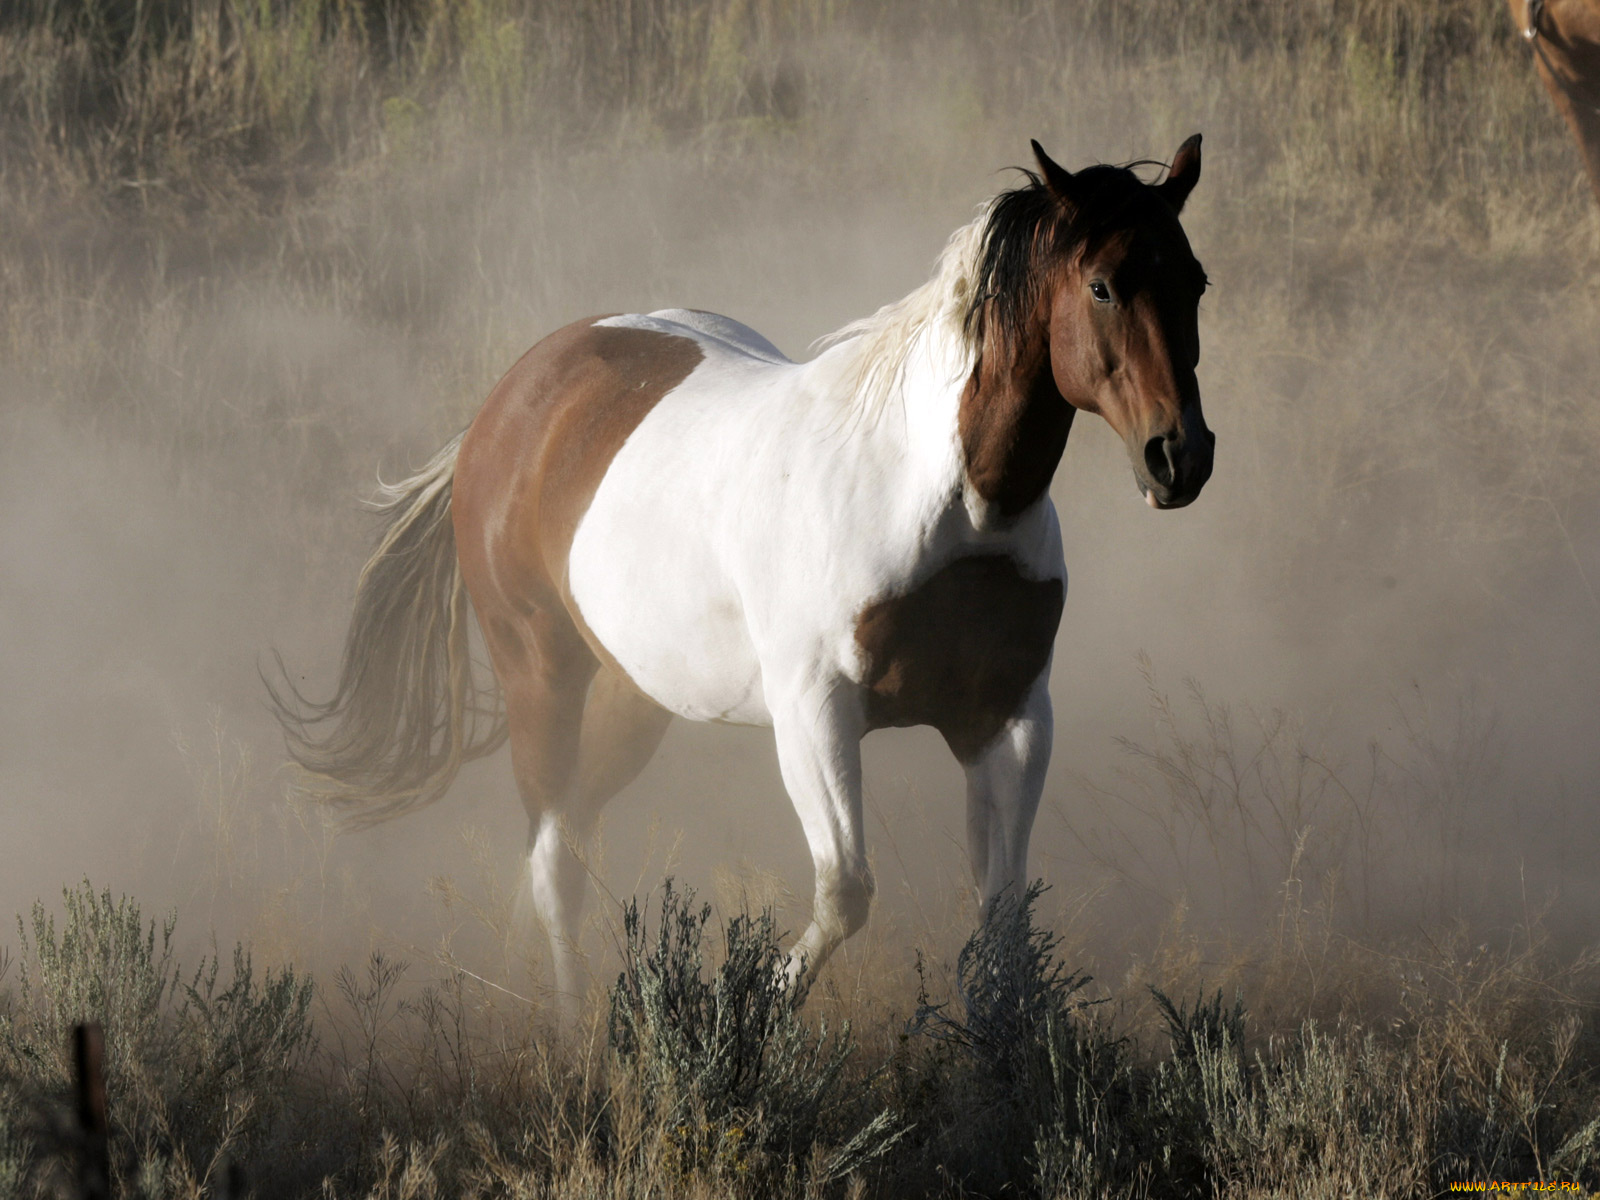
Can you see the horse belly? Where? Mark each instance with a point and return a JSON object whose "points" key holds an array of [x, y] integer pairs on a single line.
{"points": [[659, 603]]}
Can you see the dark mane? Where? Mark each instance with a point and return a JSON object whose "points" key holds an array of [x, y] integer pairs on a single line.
{"points": [[1028, 227]]}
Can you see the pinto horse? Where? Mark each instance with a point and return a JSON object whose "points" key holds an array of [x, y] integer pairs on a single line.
{"points": [[1565, 36], [661, 514]]}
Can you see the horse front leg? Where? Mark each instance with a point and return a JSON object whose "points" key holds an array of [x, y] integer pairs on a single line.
{"points": [[818, 735], [1004, 783]]}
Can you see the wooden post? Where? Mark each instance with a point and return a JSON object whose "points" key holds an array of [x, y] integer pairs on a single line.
{"points": [[89, 1054]]}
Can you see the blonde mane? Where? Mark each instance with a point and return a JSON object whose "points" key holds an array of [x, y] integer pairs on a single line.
{"points": [[887, 337]]}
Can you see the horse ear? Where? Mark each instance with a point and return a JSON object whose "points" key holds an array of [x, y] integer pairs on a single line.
{"points": [[1182, 175], [1056, 177]]}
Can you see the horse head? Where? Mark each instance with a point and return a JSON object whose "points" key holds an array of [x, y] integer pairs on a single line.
{"points": [[1087, 299], [1123, 321]]}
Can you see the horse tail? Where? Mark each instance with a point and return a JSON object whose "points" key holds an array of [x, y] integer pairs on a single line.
{"points": [[407, 712]]}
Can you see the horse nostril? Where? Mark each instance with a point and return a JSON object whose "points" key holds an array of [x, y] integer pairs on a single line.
{"points": [[1158, 460]]}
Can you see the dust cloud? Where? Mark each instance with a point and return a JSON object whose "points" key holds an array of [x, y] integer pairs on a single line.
{"points": [[1389, 584]]}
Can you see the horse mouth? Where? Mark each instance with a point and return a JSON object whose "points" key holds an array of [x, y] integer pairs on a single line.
{"points": [[1162, 504]]}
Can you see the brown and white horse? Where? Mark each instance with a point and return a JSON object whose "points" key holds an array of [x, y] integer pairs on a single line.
{"points": [[1565, 36], [661, 514]]}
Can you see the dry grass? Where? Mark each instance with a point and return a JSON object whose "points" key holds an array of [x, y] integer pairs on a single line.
{"points": [[161, 159], [168, 161]]}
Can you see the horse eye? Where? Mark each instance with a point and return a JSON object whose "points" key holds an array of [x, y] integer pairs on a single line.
{"points": [[1101, 292]]}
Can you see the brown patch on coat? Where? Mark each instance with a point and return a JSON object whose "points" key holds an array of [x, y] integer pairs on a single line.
{"points": [[1013, 423], [960, 651], [534, 456], [526, 473]]}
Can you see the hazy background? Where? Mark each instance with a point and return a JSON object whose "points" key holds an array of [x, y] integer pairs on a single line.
{"points": [[1359, 678]]}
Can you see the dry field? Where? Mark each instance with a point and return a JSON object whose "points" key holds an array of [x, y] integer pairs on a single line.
{"points": [[1318, 825]]}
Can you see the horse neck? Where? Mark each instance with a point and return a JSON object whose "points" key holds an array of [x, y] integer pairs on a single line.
{"points": [[930, 387], [895, 404], [986, 419], [1012, 420]]}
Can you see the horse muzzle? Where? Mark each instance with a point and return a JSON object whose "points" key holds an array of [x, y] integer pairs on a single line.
{"points": [[1171, 467]]}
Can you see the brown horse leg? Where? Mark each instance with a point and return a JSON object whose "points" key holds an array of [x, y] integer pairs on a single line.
{"points": [[621, 730], [545, 668], [1586, 123]]}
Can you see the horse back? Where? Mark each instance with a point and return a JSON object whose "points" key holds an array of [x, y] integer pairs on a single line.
{"points": [[735, 335]]}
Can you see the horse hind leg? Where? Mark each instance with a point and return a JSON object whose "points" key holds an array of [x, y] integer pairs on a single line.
{"points": [[622, 728], [585, 735], [544, 669]]}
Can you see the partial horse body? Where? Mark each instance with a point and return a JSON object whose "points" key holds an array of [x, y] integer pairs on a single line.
{"points": [[660, 514], [1565, 36]]}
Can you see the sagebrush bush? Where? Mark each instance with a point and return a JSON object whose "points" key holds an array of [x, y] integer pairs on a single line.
{"points": [[710, 1081], [199, 1067], [1040, 1088], [1024, 1086], [726, 1064]]}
